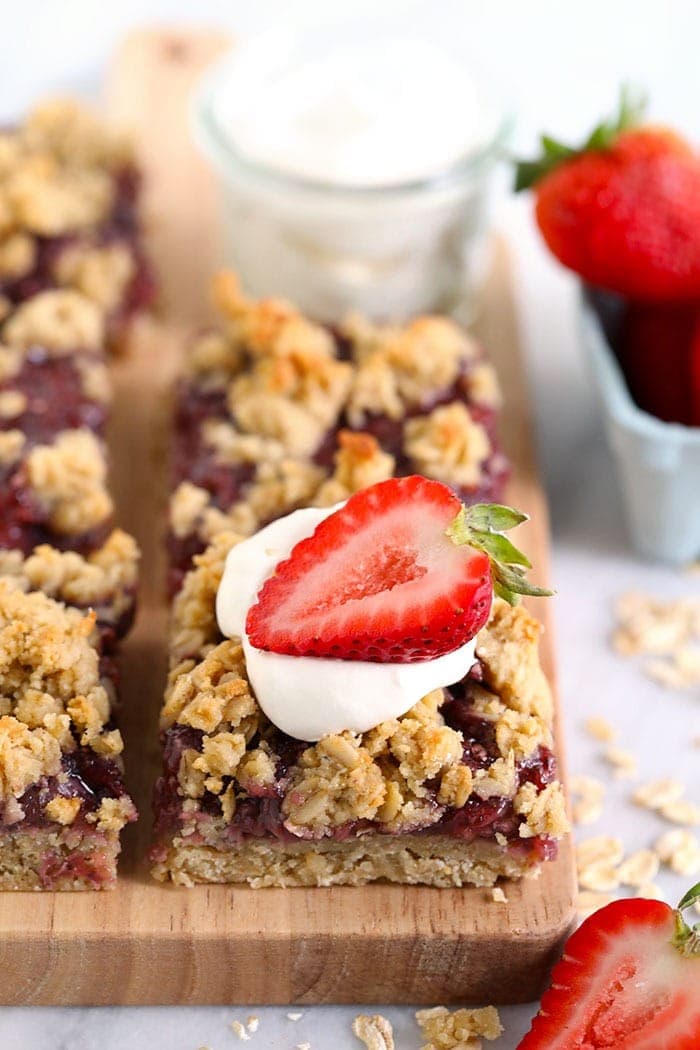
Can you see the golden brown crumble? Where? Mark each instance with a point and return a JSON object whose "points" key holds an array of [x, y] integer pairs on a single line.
{"points": [[359, 462], [400, 367], [12, 403], [12, 444], [69, 477], [231, 446], [49, 681], [17, 256], [193, 626], [270, 326], [509, 650], [62, 810], [213, 694], [483, 386], [448, 445], [101, 273], [279, 487], [293, 398], [47, 198], [75, 134], [108, 573], [58, 320], [544, 811], [460, 1029], [94, 378]]}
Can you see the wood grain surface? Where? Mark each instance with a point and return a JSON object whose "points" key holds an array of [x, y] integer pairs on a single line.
{"points": [[149, 943]]}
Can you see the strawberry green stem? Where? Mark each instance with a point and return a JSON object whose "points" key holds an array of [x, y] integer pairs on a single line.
{"points": [[687, 938], [482, 527], [630, 112]]}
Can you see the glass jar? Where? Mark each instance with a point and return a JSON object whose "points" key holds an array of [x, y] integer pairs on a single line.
{"points": [[388, 250]]}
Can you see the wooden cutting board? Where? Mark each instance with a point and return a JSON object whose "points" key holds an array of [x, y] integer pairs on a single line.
{"points": [[149, 943]]}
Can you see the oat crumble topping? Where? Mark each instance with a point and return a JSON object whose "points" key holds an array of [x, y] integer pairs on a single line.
{"points": [[448, 445], [49, 686], [374, 1031], [58, 320], [69, 477]]}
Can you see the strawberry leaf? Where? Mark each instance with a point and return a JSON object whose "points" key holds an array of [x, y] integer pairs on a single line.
{"points": [[630, 113], [687, 938], [482, 527]]}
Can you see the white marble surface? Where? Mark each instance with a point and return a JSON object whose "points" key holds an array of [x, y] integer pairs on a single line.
{"points": [[592, 563]]}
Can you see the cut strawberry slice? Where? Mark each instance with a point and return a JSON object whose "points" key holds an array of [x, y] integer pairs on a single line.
{"points": [[629, 979], [402, 572]]}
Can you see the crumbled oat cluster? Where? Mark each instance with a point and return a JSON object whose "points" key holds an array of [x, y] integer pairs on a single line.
{"points": [[52, 697], [458, 1029], [277, 412]]}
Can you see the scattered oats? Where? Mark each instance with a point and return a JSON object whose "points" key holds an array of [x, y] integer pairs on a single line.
{"points": [[498, 895], [658, 793], [252, 1023], [459, 1030], [650, 891], [639, 869], [681, 811], [588, 902], [599, 848], [375, 1031], [303, 1046], [648, 625], [680, 671], [588, 794], [295, 1017], [625, 763], [601, 877], [696, 741], [239, 1030], [600, 729], [680, 849]]}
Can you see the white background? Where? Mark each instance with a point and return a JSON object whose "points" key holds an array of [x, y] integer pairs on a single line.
{"points": [[560, 64]]}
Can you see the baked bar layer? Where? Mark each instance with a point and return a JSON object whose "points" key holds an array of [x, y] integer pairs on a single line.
{"points": [[277, 412], [428, 860], [44, 859]]}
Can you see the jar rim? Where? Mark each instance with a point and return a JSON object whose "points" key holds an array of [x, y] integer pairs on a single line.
{"points": [[220, 148]]}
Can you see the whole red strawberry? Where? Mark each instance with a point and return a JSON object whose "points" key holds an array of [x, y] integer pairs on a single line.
{"points": [[623, 211], [402, 572], [629, 979]]}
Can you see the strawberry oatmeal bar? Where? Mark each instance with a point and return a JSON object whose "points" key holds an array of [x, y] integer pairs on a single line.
{"points": [[62, 796], [69, 191], [72, 274], [355, 695], [276, 412]]}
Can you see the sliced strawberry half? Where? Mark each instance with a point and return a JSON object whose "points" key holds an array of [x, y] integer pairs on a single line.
{"points": [[402, 572], [629, 979]]}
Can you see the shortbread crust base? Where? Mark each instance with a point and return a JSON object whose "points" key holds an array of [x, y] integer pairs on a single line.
{"points": [[428, 860], [58, 860]]}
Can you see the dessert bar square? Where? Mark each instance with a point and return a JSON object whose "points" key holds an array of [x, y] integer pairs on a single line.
{"points": [[62, 798], [69, 190], [276, 412], [460, 790]]}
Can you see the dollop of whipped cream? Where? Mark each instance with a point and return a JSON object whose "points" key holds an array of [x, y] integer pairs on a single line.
{"points": [[309, 697]]}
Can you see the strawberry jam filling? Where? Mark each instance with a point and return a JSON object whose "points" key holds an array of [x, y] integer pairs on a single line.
{"points": [[54, 398], [258, 812]]}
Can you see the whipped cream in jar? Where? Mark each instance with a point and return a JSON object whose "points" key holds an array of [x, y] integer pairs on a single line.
{"points": [[356, 172]]}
